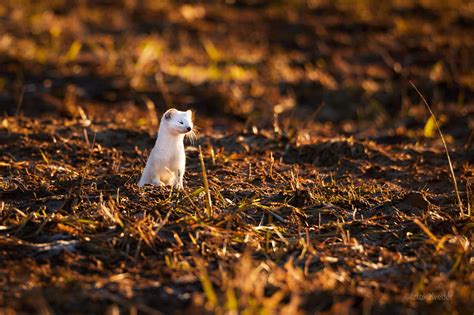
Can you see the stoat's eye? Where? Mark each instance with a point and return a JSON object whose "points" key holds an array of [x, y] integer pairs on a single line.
{"points": [[181, 122]]}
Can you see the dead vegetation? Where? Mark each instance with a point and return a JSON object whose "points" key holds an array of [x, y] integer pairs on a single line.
{"points": [[318, 182]]}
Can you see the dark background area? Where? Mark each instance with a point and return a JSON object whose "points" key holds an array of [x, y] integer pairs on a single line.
{"points": [[239, 60]]}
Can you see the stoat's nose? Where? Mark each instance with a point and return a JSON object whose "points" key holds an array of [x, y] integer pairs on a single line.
{"points": [[189, 128]]}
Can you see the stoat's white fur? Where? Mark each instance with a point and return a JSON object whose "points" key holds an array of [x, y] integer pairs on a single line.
{"points": [[167, 160]]}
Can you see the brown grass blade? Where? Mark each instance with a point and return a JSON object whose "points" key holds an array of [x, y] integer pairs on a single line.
{"points": [[206, 184], [453, 176]]}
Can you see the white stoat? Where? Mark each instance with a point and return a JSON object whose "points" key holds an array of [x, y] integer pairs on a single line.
{"points": [[167, 160]]}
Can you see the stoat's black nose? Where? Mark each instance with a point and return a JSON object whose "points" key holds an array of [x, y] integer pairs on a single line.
{"points": [[189, 128]]}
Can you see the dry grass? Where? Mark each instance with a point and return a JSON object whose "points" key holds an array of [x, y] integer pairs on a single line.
{"points": [[450, 164]]}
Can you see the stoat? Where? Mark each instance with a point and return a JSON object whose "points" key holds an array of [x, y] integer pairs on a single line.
{"points": [[167, 160]]}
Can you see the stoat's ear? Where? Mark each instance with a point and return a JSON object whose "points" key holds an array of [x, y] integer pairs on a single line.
{"points": [[170, 113], [189, 113]]}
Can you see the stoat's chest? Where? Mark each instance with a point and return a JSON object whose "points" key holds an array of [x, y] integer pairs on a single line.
{"points": [[173, 159], [169, 154]]}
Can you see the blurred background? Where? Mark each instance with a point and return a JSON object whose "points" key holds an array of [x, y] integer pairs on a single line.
{"points": [[347, 63]]}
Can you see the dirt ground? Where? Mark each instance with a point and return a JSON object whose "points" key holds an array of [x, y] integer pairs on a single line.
{"points": [[329, 184]]}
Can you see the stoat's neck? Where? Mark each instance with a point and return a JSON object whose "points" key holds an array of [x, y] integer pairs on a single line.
{"points": [[165, 137]]}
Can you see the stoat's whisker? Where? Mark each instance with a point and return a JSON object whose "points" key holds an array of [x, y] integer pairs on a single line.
{"points": [[192, 136]]}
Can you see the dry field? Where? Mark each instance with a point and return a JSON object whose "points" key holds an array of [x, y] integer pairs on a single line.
{"points": [[329, 188]]}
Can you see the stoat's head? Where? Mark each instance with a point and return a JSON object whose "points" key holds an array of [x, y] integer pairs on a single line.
{"points": [[178, 122]]}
